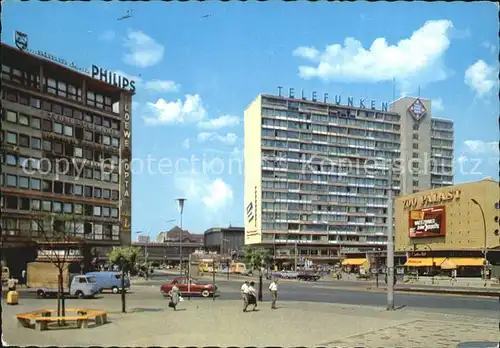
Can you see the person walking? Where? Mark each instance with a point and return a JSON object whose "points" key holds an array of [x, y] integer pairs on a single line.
{"points": [[23, 276], [175, 296], [244, 295], [252, 297], [273, 288]]}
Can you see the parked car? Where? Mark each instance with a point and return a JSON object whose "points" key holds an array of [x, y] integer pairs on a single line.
{"points": [[109, 281], [289, 274], [308, 276], [189, 287]]}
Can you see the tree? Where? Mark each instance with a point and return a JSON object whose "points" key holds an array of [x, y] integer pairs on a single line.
{"points": [[125, 258], [59, 234], [256, 257]]}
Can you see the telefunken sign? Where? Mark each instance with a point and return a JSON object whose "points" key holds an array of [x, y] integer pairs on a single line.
{"points": [[370, 105]]}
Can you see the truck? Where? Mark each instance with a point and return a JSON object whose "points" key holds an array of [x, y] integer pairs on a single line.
{"points": [[42, 278]]}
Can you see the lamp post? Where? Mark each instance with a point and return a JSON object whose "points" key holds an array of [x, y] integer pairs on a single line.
{"points": [[224, 240], [432, 258], [390, 243], [180, 202], [485, 247]]}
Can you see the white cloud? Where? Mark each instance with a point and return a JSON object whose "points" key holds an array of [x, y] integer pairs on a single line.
{"points": [[481, 147], [186, 144], [489, 46], [437, 104], [107, 35], [480, 77], [228, 139], [413, 62], [220, 122], [162, 86], [191, 110], [462, 159], [213, 194], [144, 51]]}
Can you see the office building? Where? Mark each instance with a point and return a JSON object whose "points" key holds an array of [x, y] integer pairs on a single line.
{"points": [[316, 173], [64, 137], [446, 224], [224, 240]]}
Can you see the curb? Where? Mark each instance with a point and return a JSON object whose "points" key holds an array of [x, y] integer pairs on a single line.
{"points": [[443, 291]]}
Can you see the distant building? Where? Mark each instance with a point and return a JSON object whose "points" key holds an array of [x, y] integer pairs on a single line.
{"points": [[224, 240], [166, 248]]}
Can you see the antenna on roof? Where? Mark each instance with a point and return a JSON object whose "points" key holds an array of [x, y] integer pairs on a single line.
{"points": [[393, 89]]}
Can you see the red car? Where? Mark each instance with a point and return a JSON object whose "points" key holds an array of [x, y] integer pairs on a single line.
{"points": [[195, 288]]}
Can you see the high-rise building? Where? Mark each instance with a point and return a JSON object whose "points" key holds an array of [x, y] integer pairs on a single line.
{"points": [[315, 178], [65, 136]]}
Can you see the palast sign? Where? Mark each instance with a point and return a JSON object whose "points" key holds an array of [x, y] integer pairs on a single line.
{"points": [[337, 98], [433, 198]]}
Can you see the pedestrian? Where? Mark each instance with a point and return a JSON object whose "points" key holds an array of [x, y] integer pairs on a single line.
{"points": [[252, 297], [11, 284], [175, 296], [23, 276], [273, 288], [244, 295]]}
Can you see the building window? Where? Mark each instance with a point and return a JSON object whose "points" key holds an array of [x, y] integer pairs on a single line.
{"points": [[78, 151], [35, 204], [24, 99], [78, 209], [36, 143], [46, 106], [11, 138], [24, 182], [78, 190], [106, 194], [105, 211], [97, 174], [415, 146], [24, 203], [415, 183], [88, 191], [106, 140], [58, 148], [36, 184], [115, 142], [68, 208], [57, 109], [415, 126], [68, 131], [57, 207], [114, 177], [106, 123], [88, 136], [114, 212], [115, 125], [47, 206], [12, 180], [47, 125], [11, 202], [35, 102], [35, 122], [47, 186], [11, 116], [24, 140], [97, 192], [47, 145], [97, 211], [58, 128], [11, 160], [97, 120], [114, 195], [415, 136], [78, 114]]}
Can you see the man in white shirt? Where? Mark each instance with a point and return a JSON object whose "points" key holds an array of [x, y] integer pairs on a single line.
{"points": [[273, 288], [244, 295]]}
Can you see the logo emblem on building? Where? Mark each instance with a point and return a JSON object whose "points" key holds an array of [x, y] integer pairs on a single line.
{"points": [[21, 40], [417, 109]]}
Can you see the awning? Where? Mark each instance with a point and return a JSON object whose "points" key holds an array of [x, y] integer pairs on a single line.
{"points": [[423, 261], [455, 262], [354, 262]]}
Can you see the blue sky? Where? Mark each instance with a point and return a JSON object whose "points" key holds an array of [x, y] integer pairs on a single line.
{"points": [[199, 65]]}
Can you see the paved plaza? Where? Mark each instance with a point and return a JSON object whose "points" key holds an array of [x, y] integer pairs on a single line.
{"points": [[202, 322]]}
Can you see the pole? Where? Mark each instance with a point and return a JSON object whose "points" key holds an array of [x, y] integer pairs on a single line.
{"points": [[485, 246], [260, 284], [189, 277], [213, 277], [296, 255], [390, 245], [180, 248]]}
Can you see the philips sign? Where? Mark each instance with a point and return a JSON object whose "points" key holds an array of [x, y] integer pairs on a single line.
{"points": [[112, 78]]}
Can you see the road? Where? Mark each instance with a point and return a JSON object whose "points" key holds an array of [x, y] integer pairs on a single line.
{"points": [[327, 292]]}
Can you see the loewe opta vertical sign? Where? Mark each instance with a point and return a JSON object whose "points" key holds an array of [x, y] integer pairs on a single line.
{"points": [[126, 156]]}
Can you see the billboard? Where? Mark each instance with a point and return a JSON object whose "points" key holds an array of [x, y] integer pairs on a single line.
{"points": [[427, 222]]}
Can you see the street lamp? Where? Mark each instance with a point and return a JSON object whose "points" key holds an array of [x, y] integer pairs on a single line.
{"points": [[485, 250], [180, 202]]}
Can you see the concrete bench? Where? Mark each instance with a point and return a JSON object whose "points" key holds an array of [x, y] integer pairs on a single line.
{"points": [[24, 319], [101, 317], [43, 322]]}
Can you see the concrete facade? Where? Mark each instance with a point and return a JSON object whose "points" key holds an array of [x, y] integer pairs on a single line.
{"points": [[224, 240], [315, 179], [66, 148]]}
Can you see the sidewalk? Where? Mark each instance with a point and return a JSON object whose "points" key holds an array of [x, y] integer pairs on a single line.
{"points": [[222, 323]]}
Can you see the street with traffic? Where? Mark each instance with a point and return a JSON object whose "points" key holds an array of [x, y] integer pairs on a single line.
{"points": [[313, 313]]}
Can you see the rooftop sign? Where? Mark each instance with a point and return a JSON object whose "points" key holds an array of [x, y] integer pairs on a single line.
{"points": [[363, 103]]}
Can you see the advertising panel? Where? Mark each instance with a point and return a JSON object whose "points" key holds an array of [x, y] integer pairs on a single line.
{"points": [[427, 222]]}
